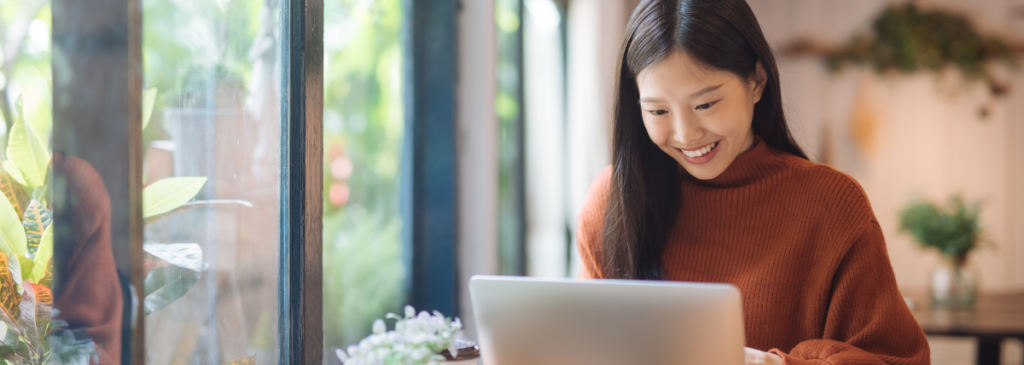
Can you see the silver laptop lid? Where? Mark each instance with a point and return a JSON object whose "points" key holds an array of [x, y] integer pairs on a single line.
{"points": [[596, 322]]}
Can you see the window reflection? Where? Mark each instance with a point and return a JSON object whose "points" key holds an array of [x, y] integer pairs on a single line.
{"points": [[61, 297], [89, 296], [211, 200]]}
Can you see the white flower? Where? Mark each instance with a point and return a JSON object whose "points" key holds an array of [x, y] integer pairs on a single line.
{"points": [[416, 340]]}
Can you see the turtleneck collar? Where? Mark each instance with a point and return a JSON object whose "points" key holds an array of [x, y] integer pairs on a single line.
{"points": [[756, 164]]}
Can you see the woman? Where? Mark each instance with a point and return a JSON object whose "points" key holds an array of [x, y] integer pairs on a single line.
{"points": [[707, 184]]}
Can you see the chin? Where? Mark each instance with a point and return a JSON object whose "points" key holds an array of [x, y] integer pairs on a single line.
{"points": [[702, 173], [705, 175]]}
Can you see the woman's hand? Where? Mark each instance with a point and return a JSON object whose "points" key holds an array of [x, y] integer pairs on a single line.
{"points": [[758, 357]]}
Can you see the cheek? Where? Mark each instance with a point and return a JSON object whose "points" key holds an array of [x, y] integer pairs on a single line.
{"points": [[731, 121], [660, 133]]}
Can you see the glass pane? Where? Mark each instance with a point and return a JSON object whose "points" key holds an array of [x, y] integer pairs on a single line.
{"points": [[547, 222], [211, 201], [508, 106], [61, 293], [363, 128]]}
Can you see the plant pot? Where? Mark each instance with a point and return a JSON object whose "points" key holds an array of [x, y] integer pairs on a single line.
{"points": [[953, 284]]}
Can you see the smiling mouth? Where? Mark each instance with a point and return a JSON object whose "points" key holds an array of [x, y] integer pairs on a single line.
{"points": [[700, 152]]}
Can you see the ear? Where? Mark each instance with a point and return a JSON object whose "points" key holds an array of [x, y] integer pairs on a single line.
{"points": [[758, 83]]}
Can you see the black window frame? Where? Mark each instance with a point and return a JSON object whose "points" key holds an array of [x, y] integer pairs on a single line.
{"points": [[300, 288]]}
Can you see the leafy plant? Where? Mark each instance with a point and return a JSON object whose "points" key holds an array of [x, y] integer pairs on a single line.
{"points": [[952, 229], [909, 39], [27, 324], [29, 334]]}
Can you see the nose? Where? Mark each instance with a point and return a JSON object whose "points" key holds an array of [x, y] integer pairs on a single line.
{"points": [[686, 129]]}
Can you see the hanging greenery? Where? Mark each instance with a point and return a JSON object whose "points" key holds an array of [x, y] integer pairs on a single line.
{"points": [[910, 39]]}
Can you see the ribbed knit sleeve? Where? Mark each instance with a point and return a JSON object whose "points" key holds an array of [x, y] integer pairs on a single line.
{"points": [[589, 223], [867, 321]]}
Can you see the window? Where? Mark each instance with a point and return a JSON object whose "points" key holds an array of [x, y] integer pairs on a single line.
{"points": [[548, 225], [364, 273], [508, 105], [198, 186], [213, 142]]}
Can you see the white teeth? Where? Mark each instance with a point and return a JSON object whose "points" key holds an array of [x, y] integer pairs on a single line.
{"points": [[700, 152]]}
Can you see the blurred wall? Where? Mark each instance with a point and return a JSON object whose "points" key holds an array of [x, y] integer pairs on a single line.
{"points": [[918, 135], [477, 150]]}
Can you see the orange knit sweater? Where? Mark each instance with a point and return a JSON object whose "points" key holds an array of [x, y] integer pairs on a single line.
{"points": [[801, 242]]}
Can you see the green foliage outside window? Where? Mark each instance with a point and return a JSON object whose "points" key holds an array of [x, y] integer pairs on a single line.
{"points": [[507, 107], [363, 131]]}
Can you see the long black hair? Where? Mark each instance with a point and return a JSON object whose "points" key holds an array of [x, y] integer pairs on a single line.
{"points": [[645, 192]]}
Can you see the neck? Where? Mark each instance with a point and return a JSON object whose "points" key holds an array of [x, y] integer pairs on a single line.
{"points": [[748, 142]]}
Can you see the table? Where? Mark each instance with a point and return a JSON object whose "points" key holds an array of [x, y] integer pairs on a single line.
{"points": [[994, 317]]}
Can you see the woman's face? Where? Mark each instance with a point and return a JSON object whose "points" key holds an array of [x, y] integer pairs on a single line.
{"points": [[699, 117]]}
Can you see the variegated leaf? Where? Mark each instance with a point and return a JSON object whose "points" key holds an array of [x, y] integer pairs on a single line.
{"points": [[47, 279], [12, 232], [11, 326], [37, 219], [8, 337], [165, 285], [44, 305], [248, 360], [148, 99], [44, 296], [9, 296], [185, 255], [41, 267], [168, 194], [14, 267], [27, 317], [14, 193], [27, 150], [13, 172], [26, 265], [195, 205]]}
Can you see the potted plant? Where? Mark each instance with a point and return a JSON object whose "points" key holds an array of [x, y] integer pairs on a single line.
{"points": [[416, 340], [954, 231]]}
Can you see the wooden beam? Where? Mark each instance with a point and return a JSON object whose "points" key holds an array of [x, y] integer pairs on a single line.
{"points": [[301, 285]]}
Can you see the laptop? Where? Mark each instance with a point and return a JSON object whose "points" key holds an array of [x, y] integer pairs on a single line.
{"points": [[537, 321]]}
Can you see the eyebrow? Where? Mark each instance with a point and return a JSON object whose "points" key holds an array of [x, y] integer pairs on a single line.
{"points": [[694, 95]]}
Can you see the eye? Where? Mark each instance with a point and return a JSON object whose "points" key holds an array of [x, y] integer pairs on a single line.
{"points": [[706, 105], [658, 112]]}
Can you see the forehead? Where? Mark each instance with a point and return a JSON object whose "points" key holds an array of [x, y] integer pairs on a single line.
{"points": [[678, 76]]}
